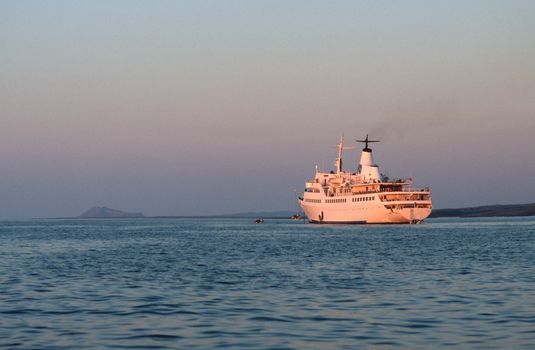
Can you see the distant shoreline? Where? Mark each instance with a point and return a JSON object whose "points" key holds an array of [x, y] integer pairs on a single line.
{"points": [[486, 211], [166, 217], [498, 210]]}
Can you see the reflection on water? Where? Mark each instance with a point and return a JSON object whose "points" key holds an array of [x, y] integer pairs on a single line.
{"points": [[185, 283]]}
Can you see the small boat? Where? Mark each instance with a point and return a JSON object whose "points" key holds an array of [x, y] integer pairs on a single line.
{"points": [[259, 221], [296, 217]]}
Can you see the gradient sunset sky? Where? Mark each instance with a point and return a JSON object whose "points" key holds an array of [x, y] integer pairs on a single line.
{"points": [[211, 107]]}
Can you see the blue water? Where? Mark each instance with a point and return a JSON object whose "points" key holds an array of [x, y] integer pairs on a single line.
{"points": [[228, 283]]}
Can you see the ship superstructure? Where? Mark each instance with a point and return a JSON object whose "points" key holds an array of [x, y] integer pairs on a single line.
{"points": [[364, 196]]}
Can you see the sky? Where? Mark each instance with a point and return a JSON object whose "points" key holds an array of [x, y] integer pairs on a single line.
{"points": [[213, 107]]}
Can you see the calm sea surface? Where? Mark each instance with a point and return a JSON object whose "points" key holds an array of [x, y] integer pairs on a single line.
{"points": [[228, 283]]}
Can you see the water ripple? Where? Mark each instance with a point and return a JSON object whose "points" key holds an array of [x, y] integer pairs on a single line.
{"points": [[222, 283]]}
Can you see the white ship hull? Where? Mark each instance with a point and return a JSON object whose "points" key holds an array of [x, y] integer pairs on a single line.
{"points": [[373, 212]]}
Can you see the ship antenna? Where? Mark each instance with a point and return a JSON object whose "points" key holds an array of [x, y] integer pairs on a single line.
{"points": [[338, 162], [366, 141]]}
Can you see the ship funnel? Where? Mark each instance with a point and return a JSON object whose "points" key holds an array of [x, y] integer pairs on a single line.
{"points": [[367, 167]]}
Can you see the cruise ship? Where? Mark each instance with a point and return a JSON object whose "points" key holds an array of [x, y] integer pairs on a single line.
{"points": [[364, 196]]}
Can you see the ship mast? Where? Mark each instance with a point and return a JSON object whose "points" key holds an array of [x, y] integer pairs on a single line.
{"points": [[341, 148]]}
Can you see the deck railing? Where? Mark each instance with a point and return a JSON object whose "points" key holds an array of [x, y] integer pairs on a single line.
{"points": [[402, 190]]}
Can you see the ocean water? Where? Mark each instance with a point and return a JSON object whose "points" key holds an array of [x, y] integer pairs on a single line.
{"points": [[229, 283]]}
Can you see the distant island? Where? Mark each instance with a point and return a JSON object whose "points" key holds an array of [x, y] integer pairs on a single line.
{"points": [[486, 211], [107, 213]]}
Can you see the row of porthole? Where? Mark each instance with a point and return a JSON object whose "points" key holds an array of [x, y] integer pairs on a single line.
{"points": [[341, 200], [363, 199], [313, 200], [338, 200]]}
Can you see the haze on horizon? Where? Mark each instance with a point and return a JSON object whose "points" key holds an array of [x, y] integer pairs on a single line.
{"points": [[211, 107]]}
